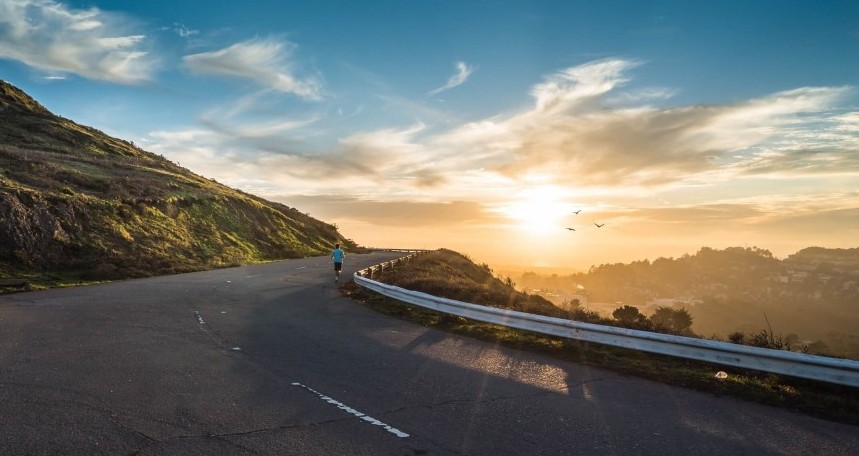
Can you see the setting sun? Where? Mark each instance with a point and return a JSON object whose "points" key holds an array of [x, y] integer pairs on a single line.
{"points": [[538, 210]]}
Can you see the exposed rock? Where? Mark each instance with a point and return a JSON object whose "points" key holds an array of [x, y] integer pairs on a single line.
{"points": [[29, 232]]}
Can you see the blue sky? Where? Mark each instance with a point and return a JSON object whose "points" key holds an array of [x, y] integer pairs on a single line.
{"points": [[433, 123]]}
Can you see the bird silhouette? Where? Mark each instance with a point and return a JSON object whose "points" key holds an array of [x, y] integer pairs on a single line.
{"points": [[576, 212], [598, 225], [571, 229]]}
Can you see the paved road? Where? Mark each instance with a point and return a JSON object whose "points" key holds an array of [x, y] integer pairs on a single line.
{"points": [[270, 359]]}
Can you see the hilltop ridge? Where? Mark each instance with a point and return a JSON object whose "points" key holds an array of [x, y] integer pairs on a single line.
{"points": [[77, 203], [12, 98]]}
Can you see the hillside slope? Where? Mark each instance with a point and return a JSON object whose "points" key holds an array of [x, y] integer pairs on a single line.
{"points": [[453, 275], [77, 203]]}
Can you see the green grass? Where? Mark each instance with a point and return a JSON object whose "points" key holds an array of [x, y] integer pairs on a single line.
{"points": [[832, 402], [90, 207]]}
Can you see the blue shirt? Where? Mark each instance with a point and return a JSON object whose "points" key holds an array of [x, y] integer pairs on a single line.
{"points": [[338, 255]]}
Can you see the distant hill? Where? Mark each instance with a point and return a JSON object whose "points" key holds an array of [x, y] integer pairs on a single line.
{"points": [[812, 294], [78, 204], [813, 258]]}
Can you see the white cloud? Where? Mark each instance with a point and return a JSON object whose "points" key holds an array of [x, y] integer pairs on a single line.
{"points": [[574, 133], [184, 31], [266, 62], [577, 85], [52, 37], [393, 213], [271, 159], [583, 131], [463, 71], [641, 96]]}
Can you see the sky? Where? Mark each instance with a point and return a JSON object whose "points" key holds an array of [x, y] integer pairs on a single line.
{"points": [[482, 126]]}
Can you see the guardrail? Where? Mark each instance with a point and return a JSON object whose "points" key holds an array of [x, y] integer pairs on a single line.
{"points": [[370, 271], [831, 370], [381, 249]]}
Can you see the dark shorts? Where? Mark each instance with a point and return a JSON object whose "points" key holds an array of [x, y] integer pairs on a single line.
{"points": [[338, 266]]}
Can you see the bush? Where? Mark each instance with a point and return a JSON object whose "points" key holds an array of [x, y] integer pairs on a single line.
{"points": [[677, 321], [768, 339], [628, 315]]}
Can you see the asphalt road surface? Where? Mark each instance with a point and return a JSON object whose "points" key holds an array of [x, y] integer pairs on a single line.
{"points": [[271, 359]]}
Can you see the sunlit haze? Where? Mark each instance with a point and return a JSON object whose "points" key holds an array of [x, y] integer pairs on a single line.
{"points": [[482, 126]]}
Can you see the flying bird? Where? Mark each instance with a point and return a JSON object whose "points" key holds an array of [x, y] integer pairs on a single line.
{"points": [[576, 212], [571, 229], [598, 225]]}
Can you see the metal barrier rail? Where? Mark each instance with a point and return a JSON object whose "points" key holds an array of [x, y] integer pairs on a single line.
{"points": [[368, 272], [381, 249], [831, 370]]}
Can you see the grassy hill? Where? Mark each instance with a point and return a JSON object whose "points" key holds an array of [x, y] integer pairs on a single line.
{"points": [[455, 276], [77, 204]]}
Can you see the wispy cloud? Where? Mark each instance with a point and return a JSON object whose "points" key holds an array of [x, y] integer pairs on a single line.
{"points": [[94, 44], [574, 132], [184, 31], [271, 157], [463, 71], [405, 213], [264, 61], [828, 215], [584, 131], [573, 87]]}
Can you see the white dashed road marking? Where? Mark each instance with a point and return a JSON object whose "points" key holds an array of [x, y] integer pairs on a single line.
{"points": [[352, 411]]}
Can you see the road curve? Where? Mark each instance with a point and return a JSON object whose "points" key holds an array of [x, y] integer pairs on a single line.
{"points": [[271, 359]]}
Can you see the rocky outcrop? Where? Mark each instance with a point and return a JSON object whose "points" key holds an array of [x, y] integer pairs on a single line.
{"points": [[29, 232]]}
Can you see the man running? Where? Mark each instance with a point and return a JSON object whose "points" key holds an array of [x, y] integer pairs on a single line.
{"points": [[337, 255]]}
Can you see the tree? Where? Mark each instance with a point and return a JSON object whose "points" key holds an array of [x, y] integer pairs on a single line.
{"points": [[672, 320], [628, 315]]}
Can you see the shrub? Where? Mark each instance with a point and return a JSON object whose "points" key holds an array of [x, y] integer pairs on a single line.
{"points": [[628, 315], [677, 321]]}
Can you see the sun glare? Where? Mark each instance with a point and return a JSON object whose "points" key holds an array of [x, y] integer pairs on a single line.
{"points": [[538, 210]]}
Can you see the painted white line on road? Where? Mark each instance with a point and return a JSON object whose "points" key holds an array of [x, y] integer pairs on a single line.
{"points": [[199, 318], [352, 411]]}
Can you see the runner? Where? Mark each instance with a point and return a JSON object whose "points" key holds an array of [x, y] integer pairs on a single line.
{"points": [[337, 256]]}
